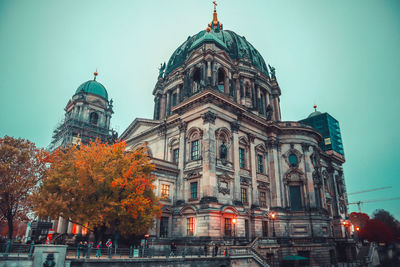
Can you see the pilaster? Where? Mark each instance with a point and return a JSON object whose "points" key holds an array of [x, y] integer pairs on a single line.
{"points": [[209, 179], [236, 165]]}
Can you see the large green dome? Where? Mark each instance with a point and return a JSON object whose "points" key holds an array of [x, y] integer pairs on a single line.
{"points": [[237, 47], [93, 87]]}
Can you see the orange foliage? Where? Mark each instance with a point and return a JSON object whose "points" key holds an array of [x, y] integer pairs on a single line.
{"points": [[100, 184]]}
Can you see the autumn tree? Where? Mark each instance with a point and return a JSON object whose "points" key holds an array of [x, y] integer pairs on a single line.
{"points": [[22, 166], [388, 219], [100, 185], [377, 231]]}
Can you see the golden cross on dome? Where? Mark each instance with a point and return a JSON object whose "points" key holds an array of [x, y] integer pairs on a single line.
{"points": [[215, 5]]}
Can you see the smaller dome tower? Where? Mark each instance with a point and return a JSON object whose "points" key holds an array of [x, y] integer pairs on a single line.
{"points": [[87, 117]]}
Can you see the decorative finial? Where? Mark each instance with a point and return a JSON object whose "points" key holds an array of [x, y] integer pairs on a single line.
{"points": [[95, 74], [215, 24], [315, 107]]}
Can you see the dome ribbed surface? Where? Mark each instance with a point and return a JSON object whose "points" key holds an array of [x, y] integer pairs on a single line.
{"points": [[236, 46], [93, 87]]}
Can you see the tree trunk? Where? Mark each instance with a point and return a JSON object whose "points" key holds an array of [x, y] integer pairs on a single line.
{"points": [[10, 225]]}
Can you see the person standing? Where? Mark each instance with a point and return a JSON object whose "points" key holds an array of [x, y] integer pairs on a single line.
{"points": [[79, 249], [84, 249], [98, 250], [109, 246]]}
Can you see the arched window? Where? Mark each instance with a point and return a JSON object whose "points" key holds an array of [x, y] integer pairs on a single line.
{"points": [[293, 160], [196, 81], [94, 117], [221, 80]]}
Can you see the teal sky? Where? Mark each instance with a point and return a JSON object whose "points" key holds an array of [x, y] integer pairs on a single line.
{"points": [[342, 55]]}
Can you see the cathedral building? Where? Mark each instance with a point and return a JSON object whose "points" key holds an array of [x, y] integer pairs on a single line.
{"points": [[228, 169]]}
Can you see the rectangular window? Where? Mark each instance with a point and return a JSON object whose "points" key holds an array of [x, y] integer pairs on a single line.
{"points": [[164, 227], [195, 150], [175, 156], [243, 194], [165, 190], [260, 164], [295, 198], [242, 161], [263, 199], [265, 228], [193, 190], [174, 99], [228, 227], [190, 226]]}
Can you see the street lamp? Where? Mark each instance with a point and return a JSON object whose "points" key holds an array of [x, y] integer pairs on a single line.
{"points": [[272, 215], [234, 232]]}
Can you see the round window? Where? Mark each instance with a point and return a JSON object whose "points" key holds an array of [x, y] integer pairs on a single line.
{"points": [[293, 160]]}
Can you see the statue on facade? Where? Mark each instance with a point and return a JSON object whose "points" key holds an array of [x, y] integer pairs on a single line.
{"points": [[161, 70], [272, 70], [223, 151]]}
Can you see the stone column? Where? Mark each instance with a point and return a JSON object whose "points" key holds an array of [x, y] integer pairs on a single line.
{"points": [[237, 85], [178, 95], [163, 107], [253, 168], [209, 179], [259, 103], [168, 106], [236, 165], [69, 228], [60, 226], [180, 183], [275, 103]]}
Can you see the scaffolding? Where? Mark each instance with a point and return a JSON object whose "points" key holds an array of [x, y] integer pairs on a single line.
{"points": [[86, 131]]}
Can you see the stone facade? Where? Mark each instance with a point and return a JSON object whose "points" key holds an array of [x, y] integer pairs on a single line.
{"points": [[228, 168]]}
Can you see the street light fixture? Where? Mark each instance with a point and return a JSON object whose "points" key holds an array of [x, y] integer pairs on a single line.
{"points": [[234, 221], [272, 215]]}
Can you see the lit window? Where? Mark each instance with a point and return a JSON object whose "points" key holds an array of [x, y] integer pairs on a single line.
{"points": [[164, 190], [260, 165], [243, 194], [295, 198], [193, 190], [175, 155], [228, 226], [190, 226], [263, 199], [164, 227], [195, 150], [242, 161], [293, 160]]}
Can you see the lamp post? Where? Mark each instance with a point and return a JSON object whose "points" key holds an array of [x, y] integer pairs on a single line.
{"points": [[234, 232], [272, 216]]}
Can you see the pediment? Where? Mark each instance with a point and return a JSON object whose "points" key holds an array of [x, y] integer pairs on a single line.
{"points": [[137, 127]]}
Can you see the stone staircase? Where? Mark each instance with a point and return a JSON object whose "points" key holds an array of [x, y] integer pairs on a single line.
{"points": [[250, 250]]}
